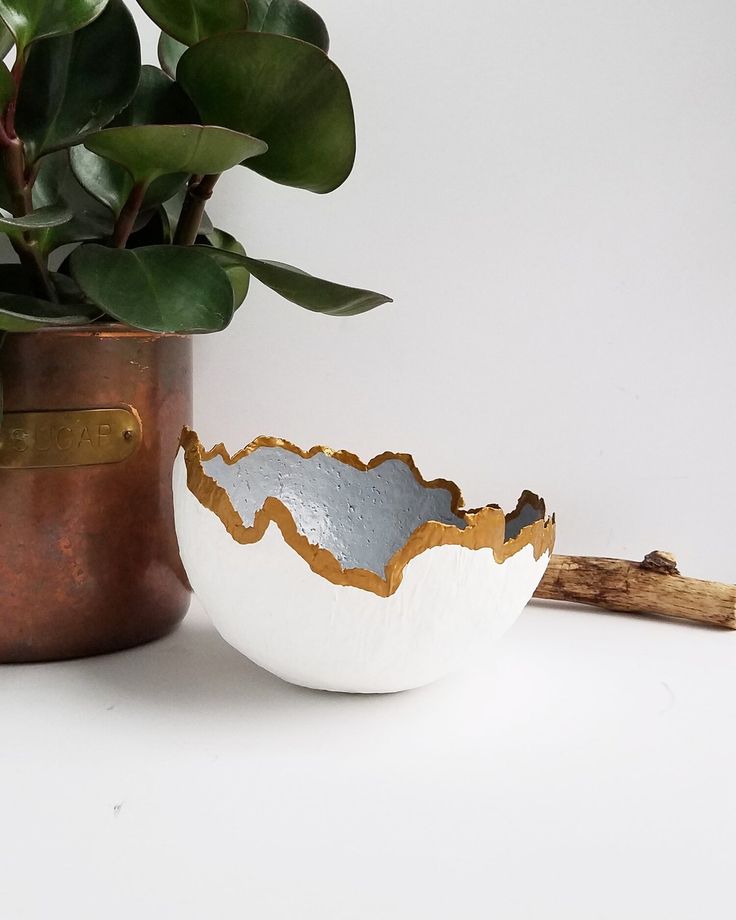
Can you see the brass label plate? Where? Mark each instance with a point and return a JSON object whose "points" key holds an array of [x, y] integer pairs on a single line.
{"points": [[87, 437]]}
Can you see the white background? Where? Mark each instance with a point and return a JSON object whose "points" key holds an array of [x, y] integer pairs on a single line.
{"points": [[548, 190]]}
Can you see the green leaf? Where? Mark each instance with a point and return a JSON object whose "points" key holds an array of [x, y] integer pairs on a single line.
{"points": [[157, 288], [170, 52], [56, 185], [303, 289], [70, 294], [17, 279], [111, 185], [75, 84], [22, 311], [190, 21], [42, 219], [285, 91], [289, 17], [26, 314], [89, 223], [237, 272], [29, 20], [53, 173], [150, 151], [158, 100]]}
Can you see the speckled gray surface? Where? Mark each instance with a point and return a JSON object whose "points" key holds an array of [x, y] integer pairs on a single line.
{"points": [[362, 518]]}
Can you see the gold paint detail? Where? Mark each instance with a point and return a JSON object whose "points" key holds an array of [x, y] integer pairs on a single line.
{"points": [[485, 527], [85, 437]]}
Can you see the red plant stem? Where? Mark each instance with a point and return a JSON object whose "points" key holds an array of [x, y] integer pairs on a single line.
{"points": [[190, 220], [22, 204], [129, 215], [14, 162], [17, 73], [15, 170]]}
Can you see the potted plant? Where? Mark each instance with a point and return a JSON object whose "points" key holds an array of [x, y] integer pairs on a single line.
{"points": [[107, 169]]}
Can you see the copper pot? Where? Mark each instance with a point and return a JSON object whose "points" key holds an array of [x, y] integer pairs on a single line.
{"points": [[89, 561]]}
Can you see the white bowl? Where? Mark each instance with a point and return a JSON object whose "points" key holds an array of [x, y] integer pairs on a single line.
{"points": [[341, 575]]}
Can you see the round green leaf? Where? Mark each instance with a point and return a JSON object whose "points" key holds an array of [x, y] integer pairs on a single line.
{"points": [[150, 151], [111, 185], [190, 21], [289, 17], [75, 84], [71, 295], [56, 185], [156, 288], [280, 89], [53, 173], [42, 219], [158, 100], [170, 52], [237, 273], [29, 20], [89, 223], [305, 290]]}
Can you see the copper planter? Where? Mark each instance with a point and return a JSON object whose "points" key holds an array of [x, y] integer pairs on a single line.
{"points": [[89, 561]]}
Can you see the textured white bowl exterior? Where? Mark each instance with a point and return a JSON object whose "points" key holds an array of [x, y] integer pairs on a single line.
{"points": [[265, 601]]}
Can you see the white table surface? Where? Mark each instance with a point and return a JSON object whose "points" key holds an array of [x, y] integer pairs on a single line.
{"points": [[588, 772]]}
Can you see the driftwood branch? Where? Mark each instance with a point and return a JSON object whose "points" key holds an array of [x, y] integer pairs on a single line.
{"points": [[652, 586]]}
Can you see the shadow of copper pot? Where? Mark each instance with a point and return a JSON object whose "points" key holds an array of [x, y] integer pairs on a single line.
{"points": [[89, 561]]}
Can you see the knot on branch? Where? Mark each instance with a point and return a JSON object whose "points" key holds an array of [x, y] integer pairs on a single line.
{"points": [[658, 561]]}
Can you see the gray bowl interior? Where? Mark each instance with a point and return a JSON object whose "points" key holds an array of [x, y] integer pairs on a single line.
{"points": [[529, 511], [362, 518]]}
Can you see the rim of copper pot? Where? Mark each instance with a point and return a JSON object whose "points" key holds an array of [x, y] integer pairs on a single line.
{"points": [[102, 330]]}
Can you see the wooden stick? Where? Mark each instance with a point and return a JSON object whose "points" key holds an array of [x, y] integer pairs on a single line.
{"points": [[652, 586]]}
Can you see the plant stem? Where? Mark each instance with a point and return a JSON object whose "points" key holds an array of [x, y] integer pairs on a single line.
{"points": [[128, 216], [190, 220], [21, 195], [15, 169], [17, 73], [31, 257], [22, 204]]}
